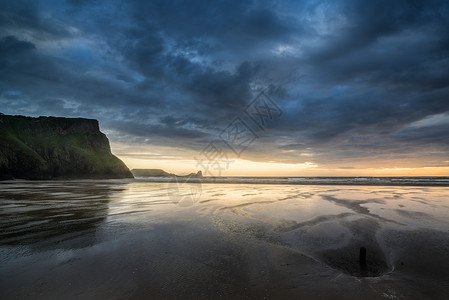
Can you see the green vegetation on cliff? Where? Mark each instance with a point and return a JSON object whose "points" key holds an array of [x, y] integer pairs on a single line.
{"points": [[50, 147]]}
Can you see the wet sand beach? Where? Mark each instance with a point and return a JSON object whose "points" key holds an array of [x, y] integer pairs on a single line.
{"points": [[131, 239]]}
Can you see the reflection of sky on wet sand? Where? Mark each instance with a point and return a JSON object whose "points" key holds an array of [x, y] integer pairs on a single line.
{"points": [[415, 206], [232, 238]]}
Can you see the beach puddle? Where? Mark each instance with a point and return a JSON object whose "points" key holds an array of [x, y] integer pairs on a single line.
{"points": [[349, 260], [362, 256]]}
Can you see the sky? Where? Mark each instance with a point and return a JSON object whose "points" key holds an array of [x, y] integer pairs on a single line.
{"points": [[240, 88]]}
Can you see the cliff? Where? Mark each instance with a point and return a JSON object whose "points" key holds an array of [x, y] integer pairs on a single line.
{"points": [[52, 148], [151, 173], [161, 173]]}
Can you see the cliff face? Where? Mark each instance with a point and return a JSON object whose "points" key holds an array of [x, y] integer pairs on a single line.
{"points": [[50, 147]]}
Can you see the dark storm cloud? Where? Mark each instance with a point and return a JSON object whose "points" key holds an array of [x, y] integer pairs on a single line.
{"points": [[370, 21], [24, 17], [11, 47], [221, 24], [179, 71]]}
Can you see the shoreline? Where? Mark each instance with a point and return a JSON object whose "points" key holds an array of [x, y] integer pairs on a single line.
{"points": [[347, 181], [316, 181]]}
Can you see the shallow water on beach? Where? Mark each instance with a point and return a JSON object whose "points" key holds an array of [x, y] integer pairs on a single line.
{"points": [[131, 239]]}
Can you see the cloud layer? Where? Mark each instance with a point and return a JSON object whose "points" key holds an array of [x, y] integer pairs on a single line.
{"points": [[360, 83]]}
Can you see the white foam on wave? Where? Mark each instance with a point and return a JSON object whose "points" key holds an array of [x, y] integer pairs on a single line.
{"points": [[418, 181]]}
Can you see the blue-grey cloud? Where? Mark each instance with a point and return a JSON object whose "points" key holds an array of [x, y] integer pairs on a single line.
{"points": [[179, 71]]}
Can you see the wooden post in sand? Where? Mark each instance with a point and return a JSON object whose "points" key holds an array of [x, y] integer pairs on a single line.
{"points": [[362, 258]]}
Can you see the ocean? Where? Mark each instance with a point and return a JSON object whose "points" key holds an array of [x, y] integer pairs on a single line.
{"points": [[227, 238]]}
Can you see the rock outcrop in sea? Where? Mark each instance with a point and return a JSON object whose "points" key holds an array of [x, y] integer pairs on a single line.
{"points": [[56, 148]]}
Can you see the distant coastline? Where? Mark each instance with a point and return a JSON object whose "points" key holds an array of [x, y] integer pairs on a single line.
{"points": [[161, 173]]}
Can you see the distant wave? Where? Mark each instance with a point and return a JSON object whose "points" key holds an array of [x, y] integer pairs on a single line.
{"points": [[398, 181]]}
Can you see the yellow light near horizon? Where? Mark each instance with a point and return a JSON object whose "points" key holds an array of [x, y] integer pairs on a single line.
{"points": [[424, 171], [173, 160], [240, 167], [236, 167]]}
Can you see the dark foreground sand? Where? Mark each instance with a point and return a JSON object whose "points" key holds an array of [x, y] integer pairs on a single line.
{"points": [[122, 240]]}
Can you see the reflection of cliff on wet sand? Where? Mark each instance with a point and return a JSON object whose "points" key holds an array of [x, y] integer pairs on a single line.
{"points": [[46, 214]]}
